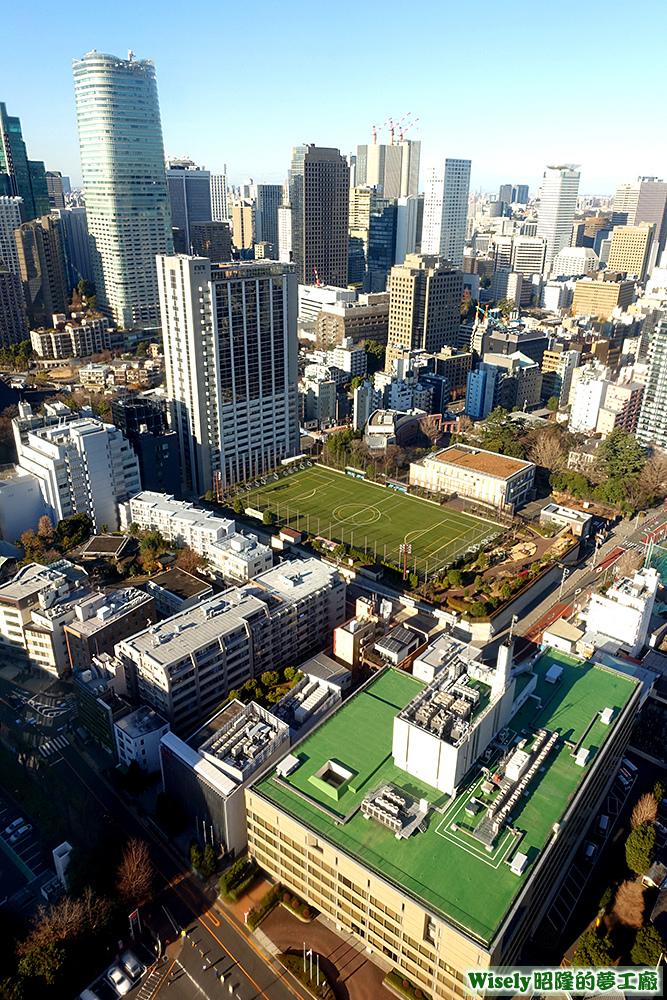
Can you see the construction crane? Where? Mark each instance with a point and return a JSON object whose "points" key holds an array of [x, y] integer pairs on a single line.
{"points": [[402, 131], [394, 125], [378, 128]]}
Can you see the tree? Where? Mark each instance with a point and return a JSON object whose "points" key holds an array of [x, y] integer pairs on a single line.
{"points": [[506, 306], [553, 403], [209, 864], [289, 673], [413, 580], [142, 349], [268, 518], [479, 609], [104, 528], [592, 950], [45, 960], [189, 561], [375, 353], [629, 562], [620, 455], [234, 695], [86, 288], [639, 848], [648, 947], [645, 811], [653, 477], [238, 506], [270, 678], [659, 791], [547, 452], [485, 281], [73, 531], [356, 382], [196, 854], [430, 428], [629, 903], [134, 881], [455, 577], [506, 592], [45, 527], [479, 582]]}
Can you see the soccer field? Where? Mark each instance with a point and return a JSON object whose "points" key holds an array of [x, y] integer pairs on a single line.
{"points": [[372, 518]]}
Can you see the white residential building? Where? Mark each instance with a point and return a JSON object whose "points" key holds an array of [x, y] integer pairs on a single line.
{"points": [[574, 261], [240, 558], [366, 400], [219, 208], [528, 253], [558, 202], [138, 737], [590, 390], [446, 209], [83, 467], [624, 612], [285, 234], [185, 666], [177, 521]]}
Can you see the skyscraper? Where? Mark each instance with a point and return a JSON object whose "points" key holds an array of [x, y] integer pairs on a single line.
{"points": [[13, 327], [392, 169], [19, 176], [319, 193], [189, 190], [266, 214], [446, 210], [122, 160], [643, 200], [54, 185], [11, 210], [372, 248], [74, 230], [558, 202], [630, 249], [424, 306], [652, 425], [230, 346], [42, 270], [219, 208]]}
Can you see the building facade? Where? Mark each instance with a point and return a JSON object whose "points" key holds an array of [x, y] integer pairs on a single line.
{"points": [[470, 472], [189, 189], [424, 305], [445, 210], [319, 194], [43, 270], [558, 202], [630, 249], [19, 176], [124, 182], [230, 347], [652, 423], [219, 208]]}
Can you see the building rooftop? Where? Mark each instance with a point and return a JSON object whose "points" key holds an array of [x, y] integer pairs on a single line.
{"points": [[34, 577], [486, 462], [182, 510], [99, 611], [180, 583], [445, 867], [141, 723]]}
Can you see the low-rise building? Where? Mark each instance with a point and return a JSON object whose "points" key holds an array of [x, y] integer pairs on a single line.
{"points": [[393, 427], [187, 665], [366, 319], [471, 472], [207, 774], [102, 620], [138, 735], [100, 693], [576, 521], [77, 339], [624, 612], [177, 521], [175, 590], [240, 558], [601, 294]]}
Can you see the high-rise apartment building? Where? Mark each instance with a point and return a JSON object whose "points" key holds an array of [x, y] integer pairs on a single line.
{"points": [[43, 270], [243, 224], [424, 306], [10, 220], [319, 194], [230, 346], [558, 201], [630, 249], [269, 197], [285, 234], [13, 326], [528, 254], [212, 240], [446, 209], [652, 423], [643, 200], [219, 209], [125, 187], [189, 188], [19, 176], [74, 233]]}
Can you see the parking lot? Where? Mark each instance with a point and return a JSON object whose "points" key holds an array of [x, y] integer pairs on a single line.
{"points": [[21, 862]]}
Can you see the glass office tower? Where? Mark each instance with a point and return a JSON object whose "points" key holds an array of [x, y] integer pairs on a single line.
{"points": [[125, 187]]}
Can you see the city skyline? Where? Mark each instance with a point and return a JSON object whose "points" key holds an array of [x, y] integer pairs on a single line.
{"points": [[259, 143]]}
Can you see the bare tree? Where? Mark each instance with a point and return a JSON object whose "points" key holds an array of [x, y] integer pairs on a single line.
{"points": [[629, 903], [645, 810], [45, 527], [629, 563], [653, 477], [547, 451], [189, 561], [134, 881], [430, 428], [67, 919]]}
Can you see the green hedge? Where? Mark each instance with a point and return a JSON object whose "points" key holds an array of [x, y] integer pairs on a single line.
{"points": [[237, 879], [268, 902], [294, 963], [397, 981]]}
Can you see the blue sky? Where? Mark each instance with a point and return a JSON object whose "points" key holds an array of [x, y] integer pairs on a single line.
{"points": [[511, 85]]}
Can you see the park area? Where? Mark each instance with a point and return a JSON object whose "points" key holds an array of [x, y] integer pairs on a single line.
{"points": [[373, 519]]}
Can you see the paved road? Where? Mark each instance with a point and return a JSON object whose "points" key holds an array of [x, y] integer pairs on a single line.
{"points": [[188, 904]]}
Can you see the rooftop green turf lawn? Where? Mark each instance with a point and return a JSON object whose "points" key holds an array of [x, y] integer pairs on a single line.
{"points": [[364, 513], [447, 870]]}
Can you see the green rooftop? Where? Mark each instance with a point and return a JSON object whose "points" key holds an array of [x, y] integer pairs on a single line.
{"points": [[446, 868]]}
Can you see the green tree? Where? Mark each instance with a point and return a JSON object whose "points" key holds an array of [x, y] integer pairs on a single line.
{"points": [[375, 353], [552, 403], [413, 580], [592, 950], [485, 281], [270, 678], [196, 854], [73, 531], [659, 791], [455, 577], [234, 695], [356, 382], [104, 528], [506, 306], [43, 961], [209, 865], [86, 288], [648, 947], [479, 609], [506, 592], [640, 847], [289, 673], [142, 348], [238, 506], [479, 582], [619, 455], [268, 518]]}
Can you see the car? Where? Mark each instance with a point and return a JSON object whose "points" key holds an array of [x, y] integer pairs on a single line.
{"points": [[119, 980], [589, 852], [21, 832], [13, 826], [132, 965], [603, 824]]}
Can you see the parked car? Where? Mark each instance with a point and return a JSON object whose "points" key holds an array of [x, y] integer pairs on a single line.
{"points": [[13, 826], [119, 980], [132, 965], [21, 832]]}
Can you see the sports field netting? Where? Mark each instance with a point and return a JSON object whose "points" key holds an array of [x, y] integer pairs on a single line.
{"points": [[374, 519]]}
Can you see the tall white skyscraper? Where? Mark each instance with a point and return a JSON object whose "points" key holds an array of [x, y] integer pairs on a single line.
{"points": [[230, 346], [558, 202], [445, 210], [219, 208], [122, 160]]}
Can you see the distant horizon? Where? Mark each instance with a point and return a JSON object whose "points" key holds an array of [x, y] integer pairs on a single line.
{"points": [[264, 79]]}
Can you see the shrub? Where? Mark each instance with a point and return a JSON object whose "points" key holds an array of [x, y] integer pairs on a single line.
{"points": [[196, 854], [639, 848], [479, 609], [405, 984], [648, 947], [276, 889], [306, 912], [659, 791], [418, 994], [645, 810], [286, 897], [295, 904]]}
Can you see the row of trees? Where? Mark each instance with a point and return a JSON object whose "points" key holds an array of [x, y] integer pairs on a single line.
{"points": [[16, 356], [48, 544]]}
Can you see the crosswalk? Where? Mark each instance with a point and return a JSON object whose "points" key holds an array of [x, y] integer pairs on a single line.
{"points": [[151, 985], [57, 743]]}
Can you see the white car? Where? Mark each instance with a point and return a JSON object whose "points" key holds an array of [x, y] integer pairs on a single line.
{"points": [[132, 965], [13, 826], [119, 980], [22, 830]]}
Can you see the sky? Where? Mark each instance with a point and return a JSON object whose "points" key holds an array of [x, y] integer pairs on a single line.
{"points": [[512, 86]]}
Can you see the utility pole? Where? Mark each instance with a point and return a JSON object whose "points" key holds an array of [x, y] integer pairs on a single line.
{"points": [[564, 577]]}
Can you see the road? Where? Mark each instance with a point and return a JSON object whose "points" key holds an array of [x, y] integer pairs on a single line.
{"points": [[188, 905]]}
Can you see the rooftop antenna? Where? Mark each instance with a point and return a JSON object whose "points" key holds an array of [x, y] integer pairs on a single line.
{"points": [[515, 619], [130, 55]]}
